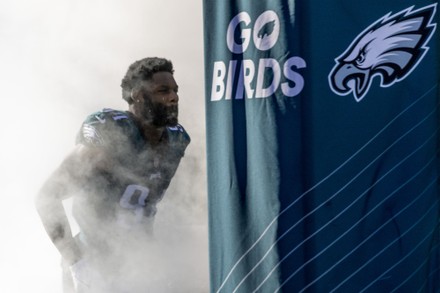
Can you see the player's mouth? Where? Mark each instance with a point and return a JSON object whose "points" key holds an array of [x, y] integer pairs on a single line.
{"points": [[173, 111], [172, 115]]}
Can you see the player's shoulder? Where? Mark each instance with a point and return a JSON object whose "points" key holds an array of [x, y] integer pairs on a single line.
{"points": [[178, 132], [179, 139], [106, 116], [99, 128]]}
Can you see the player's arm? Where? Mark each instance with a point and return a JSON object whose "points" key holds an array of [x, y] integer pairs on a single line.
{"points": [[59, 186]]}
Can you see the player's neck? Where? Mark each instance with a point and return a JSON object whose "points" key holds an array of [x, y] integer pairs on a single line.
{"points": [[152, 133]]}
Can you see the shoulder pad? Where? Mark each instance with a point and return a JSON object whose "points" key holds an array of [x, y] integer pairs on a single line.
{"points": [[106, 115], [178, 137], [98, 127]]}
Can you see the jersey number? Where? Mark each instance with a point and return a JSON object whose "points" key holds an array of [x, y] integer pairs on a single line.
{"points": [[133, 199]]}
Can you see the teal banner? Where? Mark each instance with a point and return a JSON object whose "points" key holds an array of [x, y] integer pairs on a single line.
{"points": [[322, 145]]}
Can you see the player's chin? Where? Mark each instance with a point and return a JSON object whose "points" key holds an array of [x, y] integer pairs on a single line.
{"points": [[172, 118], [172, 121]]}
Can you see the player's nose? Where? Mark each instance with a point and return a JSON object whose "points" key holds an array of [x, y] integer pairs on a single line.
{"points": [[173, 98]]}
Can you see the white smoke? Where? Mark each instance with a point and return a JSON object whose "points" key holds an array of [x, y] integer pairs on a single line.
{"points": [[60, 60]]}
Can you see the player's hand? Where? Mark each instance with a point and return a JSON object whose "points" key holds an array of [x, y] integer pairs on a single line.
{"points": [[81, 274]]}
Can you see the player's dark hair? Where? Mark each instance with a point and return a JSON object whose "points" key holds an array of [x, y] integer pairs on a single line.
{"points": [[142, 70]]}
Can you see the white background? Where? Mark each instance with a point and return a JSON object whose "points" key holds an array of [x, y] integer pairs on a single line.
{"points": [[60, 60]]}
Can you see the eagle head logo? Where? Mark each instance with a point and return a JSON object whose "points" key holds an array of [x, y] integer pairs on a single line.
{"points": [[390, 48]]}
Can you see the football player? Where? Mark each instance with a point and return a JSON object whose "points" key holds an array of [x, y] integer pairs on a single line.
{"points": [[119, 170]]}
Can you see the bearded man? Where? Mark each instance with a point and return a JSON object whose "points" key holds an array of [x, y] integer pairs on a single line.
{"points": [[119, 170]]}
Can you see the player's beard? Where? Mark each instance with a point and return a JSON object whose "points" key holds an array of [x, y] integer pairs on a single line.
{"points": [[162, 115]]}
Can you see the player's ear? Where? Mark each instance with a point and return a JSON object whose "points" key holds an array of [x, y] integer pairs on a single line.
{"points": [[135, 96]]}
